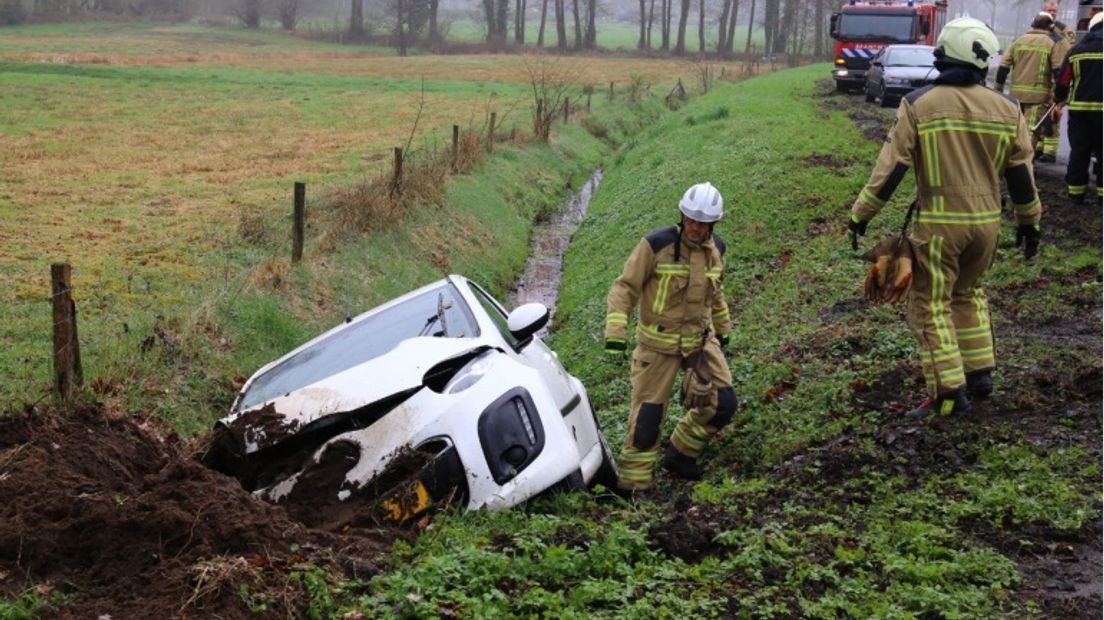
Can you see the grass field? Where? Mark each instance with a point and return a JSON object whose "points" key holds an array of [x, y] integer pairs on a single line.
{"points": [[142, 153]]}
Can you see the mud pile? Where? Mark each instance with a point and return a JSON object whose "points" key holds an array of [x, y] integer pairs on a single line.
{"points": [[121, 516]]}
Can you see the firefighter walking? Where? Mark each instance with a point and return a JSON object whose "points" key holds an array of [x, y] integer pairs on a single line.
{"points": [[961, 138], [1079, 82], [1033, 60], [675, 274]]}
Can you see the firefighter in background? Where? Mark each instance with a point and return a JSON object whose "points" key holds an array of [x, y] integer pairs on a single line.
{"points": [[1034, 59], [1080, 83], [675, 274], [1060, 28], [962, 138]]}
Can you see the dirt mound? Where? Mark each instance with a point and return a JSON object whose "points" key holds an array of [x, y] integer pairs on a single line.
{"points": [[121, 516]]}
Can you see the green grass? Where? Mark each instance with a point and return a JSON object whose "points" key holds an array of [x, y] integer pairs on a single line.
{"points": [[874, 543]]}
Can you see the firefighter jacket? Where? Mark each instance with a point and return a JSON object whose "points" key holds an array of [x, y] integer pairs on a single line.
{"points": [[961, 139], [1033, 59], [1079, 79], [678, 284], [1067, 33]]}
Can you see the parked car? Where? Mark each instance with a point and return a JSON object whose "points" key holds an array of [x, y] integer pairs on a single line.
{"points": [[897, 70], [436, 396]]}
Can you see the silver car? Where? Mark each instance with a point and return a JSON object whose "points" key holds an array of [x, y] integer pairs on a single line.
{"points": [[897, 70], [437, 397]]}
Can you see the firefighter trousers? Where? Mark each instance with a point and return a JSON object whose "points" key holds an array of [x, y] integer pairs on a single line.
{"points": [[653, 377], [1085, 139], [1046, 139], [948, 312]]}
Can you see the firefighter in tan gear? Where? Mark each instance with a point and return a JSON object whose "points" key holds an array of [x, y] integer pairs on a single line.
{"points": [[1033, 60], [675, 275], [961, 138]]}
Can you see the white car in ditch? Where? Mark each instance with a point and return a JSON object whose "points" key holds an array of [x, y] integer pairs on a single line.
{"points": [[436, 397]]}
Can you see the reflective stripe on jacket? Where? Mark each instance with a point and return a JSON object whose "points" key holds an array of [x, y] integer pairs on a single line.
{"points": [[961, 140], [1080, 76], [1033, 58], [681, 294]]}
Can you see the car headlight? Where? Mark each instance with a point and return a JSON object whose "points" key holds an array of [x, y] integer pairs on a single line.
{"points": [[469, 374], [893, 81], [840, 72], [511, 434]]}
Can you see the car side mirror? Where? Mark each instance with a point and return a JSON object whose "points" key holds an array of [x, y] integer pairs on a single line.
{"points": [[877, 63], [833, 26], [526, 320]]}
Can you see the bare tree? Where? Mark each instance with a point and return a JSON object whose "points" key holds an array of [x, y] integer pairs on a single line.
{"points": [[249, 13], [651, 19], [544, 17], [550, 83], [356, 21], [578, 26], [561, 26], [730, 39], [590, 39], [642, 41], [289, 14], [519, 21], [751, 24], [400, 18], [665, 25], [434, 32], [684, 14], [701, 26], [722, 26]]}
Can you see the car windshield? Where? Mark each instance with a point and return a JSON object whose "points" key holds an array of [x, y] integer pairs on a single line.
{"points": [[876, 27], [910, 57], [439, 312]]}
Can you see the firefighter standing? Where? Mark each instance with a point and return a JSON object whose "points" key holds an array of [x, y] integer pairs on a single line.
{"points": [[1034, 59], [675, 274], [1059, 27], [962, 138], [1079, 82]]}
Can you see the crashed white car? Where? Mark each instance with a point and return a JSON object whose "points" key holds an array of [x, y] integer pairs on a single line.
{"points": [[436, 397]]}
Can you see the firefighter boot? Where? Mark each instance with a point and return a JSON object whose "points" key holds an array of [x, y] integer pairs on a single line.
{"points": [[681, 465], [945, 404], [979, 384]]}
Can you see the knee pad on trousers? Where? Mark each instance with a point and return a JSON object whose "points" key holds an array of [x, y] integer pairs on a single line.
{"points": [[726, 408], [646, 432]]}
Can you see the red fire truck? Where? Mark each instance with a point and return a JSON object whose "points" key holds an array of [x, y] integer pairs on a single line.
{"points": [[862, 28]]}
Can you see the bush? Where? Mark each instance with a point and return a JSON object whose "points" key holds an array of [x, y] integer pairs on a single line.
{"points": [[12, 12]]}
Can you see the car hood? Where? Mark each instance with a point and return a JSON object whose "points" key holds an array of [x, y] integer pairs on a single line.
{"points": [[912, 73], [382, 382]]}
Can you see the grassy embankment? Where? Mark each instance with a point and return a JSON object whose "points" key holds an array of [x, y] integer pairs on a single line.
{"points": [[159, 160], [819, 503]]}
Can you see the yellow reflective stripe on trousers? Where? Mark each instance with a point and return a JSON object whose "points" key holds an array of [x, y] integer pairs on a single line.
{"points": [[980, 354], [973, 332], [617, 318], [938, 285], [941, 355], [981, 305], [970, 219], [691, 434], [721, 316], [1027, 208]]}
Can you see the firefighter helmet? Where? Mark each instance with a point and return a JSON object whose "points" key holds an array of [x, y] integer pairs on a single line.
{"points": [[968, 40], [1095, 21], [702, 203]]}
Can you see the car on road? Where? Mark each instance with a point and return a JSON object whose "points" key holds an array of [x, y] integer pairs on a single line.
{"points": [[437, 397], [897, 70]]}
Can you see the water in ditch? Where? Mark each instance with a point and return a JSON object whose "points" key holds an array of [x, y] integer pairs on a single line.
{"points": [[540, 281]]}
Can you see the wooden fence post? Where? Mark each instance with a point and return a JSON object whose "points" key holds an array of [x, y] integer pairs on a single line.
{"points": [[566, 107], [491, 133], [588, 102], [455, 147], [611, 91], [396, 178], [298, 225], [67, 369]]}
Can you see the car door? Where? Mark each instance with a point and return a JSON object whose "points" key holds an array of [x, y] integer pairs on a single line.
{"points": [[874, 75]]}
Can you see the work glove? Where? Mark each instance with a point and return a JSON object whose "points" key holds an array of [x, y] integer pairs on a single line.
{"points": [[1028, 235], [615, 349], [889, 279], [697, 392], [723, 339], [858, 229]]}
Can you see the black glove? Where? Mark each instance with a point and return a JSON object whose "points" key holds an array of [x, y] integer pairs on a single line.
{"points": [[1028, 236], [858, 229], [615, 349], [723, 339]]}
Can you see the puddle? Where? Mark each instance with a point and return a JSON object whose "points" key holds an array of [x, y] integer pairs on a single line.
{"points": [[540, 281]]}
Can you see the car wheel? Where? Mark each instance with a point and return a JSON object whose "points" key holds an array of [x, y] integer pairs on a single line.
{"points": [[884, 99], [607, 471], [869, 95]]}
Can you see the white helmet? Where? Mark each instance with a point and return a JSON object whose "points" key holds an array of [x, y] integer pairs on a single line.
{"points": [[968, 40], [702, 203], [1095, 21]]}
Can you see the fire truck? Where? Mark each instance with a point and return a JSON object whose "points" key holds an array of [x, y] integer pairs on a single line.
{"points": [[862, 28]]}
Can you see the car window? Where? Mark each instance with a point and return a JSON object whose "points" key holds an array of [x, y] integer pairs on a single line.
{"points": [[876, 27], [910, 57], [495, 311], [439, 312]]}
